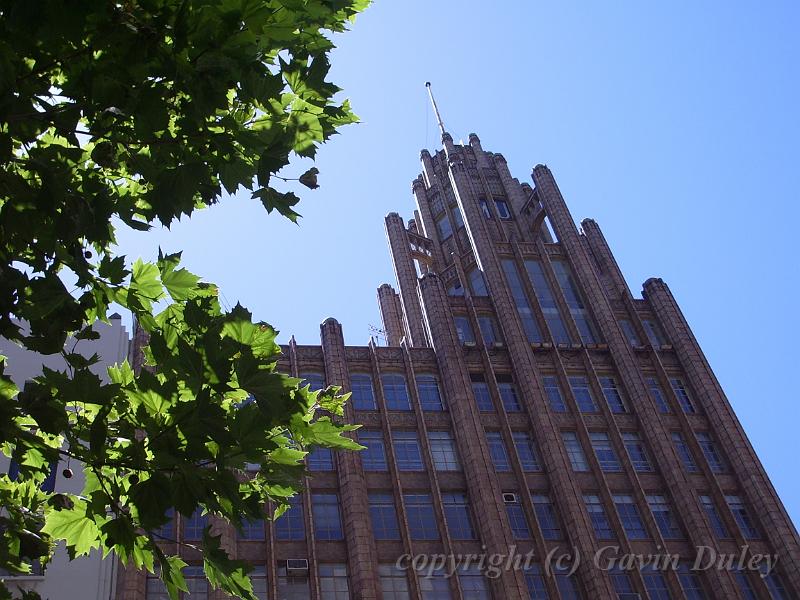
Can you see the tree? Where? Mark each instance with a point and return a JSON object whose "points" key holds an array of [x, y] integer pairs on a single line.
{"points": [[131, 114]]}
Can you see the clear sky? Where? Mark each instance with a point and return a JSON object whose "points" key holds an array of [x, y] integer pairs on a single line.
{"points": [[674, 124]]}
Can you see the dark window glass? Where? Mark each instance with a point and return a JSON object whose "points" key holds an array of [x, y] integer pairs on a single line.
{"points": [[384, 516], [395, 392], [508, 394], [316, 381], [683, 395], [547, 302], [518, 522], [429, 396], [521, 301], [658, 395], [682, 448], [637, 451], [320, 459], [664, 517], [374, 456], [629, 515], [597, 514], [711, 452], [407, 451], [742, 517], [363, 397], [498, 452], [612, 395], [546, 516], [456, 511], [483, 398], [327, 520], [421, 518], [464, 330], [714, 519], [553, 393], [502, 208], [583, 394], [523, 442], [290, 525], [604, 451], [477, 282]]}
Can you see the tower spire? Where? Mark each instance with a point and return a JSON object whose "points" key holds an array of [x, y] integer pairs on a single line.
{"points": [[435, 108]]}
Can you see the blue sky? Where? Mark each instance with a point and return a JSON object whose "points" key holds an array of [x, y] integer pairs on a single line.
{"points": [[674, 125]]}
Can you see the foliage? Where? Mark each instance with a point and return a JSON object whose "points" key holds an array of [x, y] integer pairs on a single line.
{"points": [[139, 113]]}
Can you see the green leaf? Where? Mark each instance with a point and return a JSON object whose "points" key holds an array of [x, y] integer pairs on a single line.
{"points": [[74, 526]]}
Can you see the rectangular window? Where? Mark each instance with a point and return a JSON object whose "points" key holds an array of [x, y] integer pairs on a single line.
{"points": [[194, 526], [290, 526], [395, 392], [373, 457], [576, 456], [612, 395], [655, 584], [488, 330], [498, 452], [637, 451], [657, 394], [434, 585], [583, 394], [327, 520], [464, 330], [597, 514], [508, 394], [517, 521], [292, 585], [690, 583], [547, 302], [480, 389], [521, 301], [443, 451], [167, 530], [567, 585], [155, 589], [711, 452], [315, 381], [742, 517], [653, 332], [774, 584], [363, 397], [320, 459], [622, 583], [574, 301], [196, 582], [421, 518], [458, 218], [429, 396], [523, 442], [682, 448], [744, 585], [487, 212], [456, 512], [384, 516], [553, 393], [537, 588], [714, 519], [502, 209], [333, 583], [546, 516], [629, 516], [630, 332], [394, 583], [252, 530], [407, 451], [664, 517], [604, 451], [683, 395], [477, 282], [444, 227], [258, 577], [473, 583]]}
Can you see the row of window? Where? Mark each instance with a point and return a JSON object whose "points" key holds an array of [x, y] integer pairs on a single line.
{"points": [[444, 225]]}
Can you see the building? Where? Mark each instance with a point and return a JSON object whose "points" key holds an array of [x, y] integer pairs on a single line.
{"points": [[88, 577], [526, 405]]}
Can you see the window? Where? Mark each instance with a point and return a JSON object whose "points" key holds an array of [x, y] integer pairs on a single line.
{"points": [[477, 282], [744, 584], [684, 453], [421, 519], [658, 395], [502, 209], [537, 588], [384, 516], [517, 521], [456, 512], [487, 213], [252, 530], [508, 394], [407, 451], [373, 457], [604, 451], [553, 393], [196, 582], [315, 381], [655, 584], [546, 516], [521, 301], [320, 459], [653, 332], [613, 397], [574, 301], [664, 517], [327, 520], [464, 330], [630, 332], [597, 514], [429, 396], [443, 451], [444, 227], [333, 583], [713, 516], [193, 526], [292, 586], [683, 395], [622, 583], [574, 451], [498, 452], [437, 205], [473, 584], [523, 442], [629, 516], [690, 583], [434, 585], [167, 530], [458, 218], [394, 583], [155, 589], [637, 451], [774, 584], [480, 390], [742, 517], [363, 397], [258, 577], [395, 392], [583, 394], [290, 526], [547, 302], [456, 290], [711, 452], [488, 329], [567, 585]]}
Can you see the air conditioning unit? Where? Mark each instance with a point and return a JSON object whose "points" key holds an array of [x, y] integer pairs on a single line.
{"points": [[469, 344], [547, 345], [510, 498], [297, 565], [563, 346]]}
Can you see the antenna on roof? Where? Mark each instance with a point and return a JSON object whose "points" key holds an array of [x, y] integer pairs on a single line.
{"points": [[435, 108]]}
